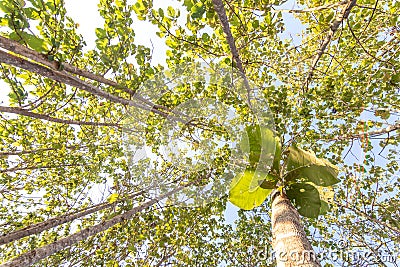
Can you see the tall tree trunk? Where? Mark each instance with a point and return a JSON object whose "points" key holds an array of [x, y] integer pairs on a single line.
{"points": [[289, 240]]}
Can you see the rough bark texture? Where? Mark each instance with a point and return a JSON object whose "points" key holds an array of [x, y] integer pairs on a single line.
{"points": [[289, 240]]}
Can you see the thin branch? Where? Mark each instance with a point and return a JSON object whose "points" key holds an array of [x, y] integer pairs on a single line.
{"points": [[24, 112], [35, 255], [220, 10], [370, 134], [68, 69], [334, 27], [22, 50], [365, 215], [38, 150], [382, 131], [14, 169]]}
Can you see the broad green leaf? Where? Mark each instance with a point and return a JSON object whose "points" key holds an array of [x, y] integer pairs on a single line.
{"points": [[278, 154], [324, 208], [34, 42], [305, 198], [246, 192], [304, 165], [260, 143]]}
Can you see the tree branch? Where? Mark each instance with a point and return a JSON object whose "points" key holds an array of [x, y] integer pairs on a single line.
{"points": [[365, 215], [66, 78], [68, 69], [378, 132], [59, 220], [220, 10], [23, 112], [22, 152], [312, 9], [344, 14], [35, 255]]}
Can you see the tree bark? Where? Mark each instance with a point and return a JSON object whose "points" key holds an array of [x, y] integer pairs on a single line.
{"points": [[68, 69], [35, 255], [66, 78], [289, 240], [59, 220]]}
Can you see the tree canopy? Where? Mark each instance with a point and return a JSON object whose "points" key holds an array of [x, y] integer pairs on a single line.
{"points": [[329, 96]]}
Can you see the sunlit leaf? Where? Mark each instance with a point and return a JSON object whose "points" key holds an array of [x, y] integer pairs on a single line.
{"points": [[305, 165]]}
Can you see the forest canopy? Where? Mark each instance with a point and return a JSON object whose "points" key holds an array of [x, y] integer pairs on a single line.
{"points": [[109, 157]]}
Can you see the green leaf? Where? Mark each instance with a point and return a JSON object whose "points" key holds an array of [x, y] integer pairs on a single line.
{"points": [[305, 198], [205, 37], [260, 143], [100, 33], [330, 16], [305, 165], [188, 4], [31, 13], [4, 7], [112, 198], [246, 192], [395, 78], [161, 12], [324, 208], [269, 184], [197, 10], [171, 11], [18, 94], [34, 42], [382, 113]]}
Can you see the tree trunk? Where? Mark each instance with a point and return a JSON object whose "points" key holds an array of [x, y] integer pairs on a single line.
{"points": [[289, 240]]}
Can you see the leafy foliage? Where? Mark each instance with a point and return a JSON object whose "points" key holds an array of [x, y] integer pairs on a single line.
{"points": [[346, 112]]}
